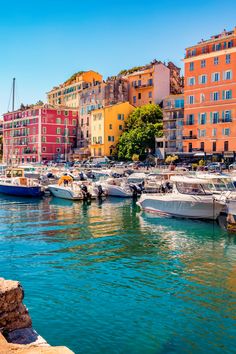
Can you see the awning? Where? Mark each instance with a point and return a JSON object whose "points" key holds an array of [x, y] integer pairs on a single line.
{"points": [[228, 154], [199, 154]]}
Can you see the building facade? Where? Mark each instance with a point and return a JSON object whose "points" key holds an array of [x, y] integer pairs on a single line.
{"points": [[39, 133], [173, 117], [96, 96], [108, 124], [210, 96], [150, 84], [68, 93]]}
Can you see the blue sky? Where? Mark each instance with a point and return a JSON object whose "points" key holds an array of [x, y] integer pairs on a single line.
{"points": [[43, 42]]}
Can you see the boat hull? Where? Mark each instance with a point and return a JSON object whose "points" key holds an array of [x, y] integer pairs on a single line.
{"points": [[21, 191], [64, 193], [193, 209]]}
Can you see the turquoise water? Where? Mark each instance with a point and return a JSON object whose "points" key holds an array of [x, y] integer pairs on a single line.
{"points": [[105, 278]]}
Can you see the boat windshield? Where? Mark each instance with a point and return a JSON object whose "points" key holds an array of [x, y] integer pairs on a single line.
{"points": [[190, 188], [222, 185]]}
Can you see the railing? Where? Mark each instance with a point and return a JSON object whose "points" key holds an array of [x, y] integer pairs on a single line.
{"points": [[189, 137]]}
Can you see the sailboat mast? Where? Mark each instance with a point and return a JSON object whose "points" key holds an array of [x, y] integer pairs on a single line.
{"points": [[13, 94]]}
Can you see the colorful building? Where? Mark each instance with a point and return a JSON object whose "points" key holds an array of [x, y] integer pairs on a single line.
{"points": [[149, 84], [39, 133], [108, 124], [173, 117], [210, 96], [93, 97], [68, 93]]}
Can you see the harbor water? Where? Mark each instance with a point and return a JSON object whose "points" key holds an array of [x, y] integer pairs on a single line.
{"points": [[106, 278]]}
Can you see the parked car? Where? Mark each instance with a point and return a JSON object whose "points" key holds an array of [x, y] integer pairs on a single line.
{"points": [[232, 166], [216, 166]]}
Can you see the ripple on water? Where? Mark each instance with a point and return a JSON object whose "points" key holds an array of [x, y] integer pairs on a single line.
{"points": [[105, 278]]}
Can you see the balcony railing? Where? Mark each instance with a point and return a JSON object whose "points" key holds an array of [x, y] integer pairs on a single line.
{"points": [[189, 137]]}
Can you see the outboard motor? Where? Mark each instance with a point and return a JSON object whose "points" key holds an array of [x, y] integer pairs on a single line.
{"points": [[85, 192], [82, 176], [135, 189], [100, 191]]}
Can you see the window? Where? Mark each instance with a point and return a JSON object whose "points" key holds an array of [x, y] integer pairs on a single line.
{"points": [[58, 120], [190, 119], [58, 140], [120, 127], [227, 94], [139, 83], [201, 133], [214, 130], [179, 103], [214, 146], [66, 121], [150, 82], [44, 139], [191, 66], [58, 149], [191, 81], [215, 96], [216, 60], [44, 149], [228, 75], [226, 131], [215, 77], [226, 116], [202, 79], [190, 147], [202, 118], [150, 94], [74, 122], [215, 117], [139, 95], [44, 130], [190, 99], [134, 99], [202, 97], [226, 146], [66, 113], [203, 63], [110, 126], [202, 146], [111, 138], [227, 59], [58, 130]]}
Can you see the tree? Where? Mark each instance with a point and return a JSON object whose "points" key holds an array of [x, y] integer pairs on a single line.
{"points": [[143, 124]]}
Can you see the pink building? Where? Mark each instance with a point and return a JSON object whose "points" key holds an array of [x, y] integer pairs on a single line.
{"points": [[39, 133]]}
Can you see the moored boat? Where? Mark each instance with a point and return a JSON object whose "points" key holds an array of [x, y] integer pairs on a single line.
{"points": [[189, 199]]}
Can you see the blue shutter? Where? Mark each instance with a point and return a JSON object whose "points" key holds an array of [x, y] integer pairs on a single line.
{"points": [[223, 95], [223, 116]]}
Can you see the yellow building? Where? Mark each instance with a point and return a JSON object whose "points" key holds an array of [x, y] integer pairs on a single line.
{"points": [[68, 93], [107, 125]]}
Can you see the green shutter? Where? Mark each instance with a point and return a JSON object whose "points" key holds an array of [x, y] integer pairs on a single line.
{"points": [[211, 117], [223, 95]]}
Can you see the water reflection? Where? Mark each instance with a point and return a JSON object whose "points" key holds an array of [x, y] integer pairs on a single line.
{"points": [[128, 281]]}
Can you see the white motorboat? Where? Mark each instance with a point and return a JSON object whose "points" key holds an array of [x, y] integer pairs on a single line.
{"points": [[223, 188], [66, 188], [190, 198], [118, 187]]}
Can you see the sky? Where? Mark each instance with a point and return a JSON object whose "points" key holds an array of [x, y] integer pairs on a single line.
{"points": [[43, 42]]}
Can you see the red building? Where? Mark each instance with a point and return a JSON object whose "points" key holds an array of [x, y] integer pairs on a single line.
{"points": [[39, 133]]}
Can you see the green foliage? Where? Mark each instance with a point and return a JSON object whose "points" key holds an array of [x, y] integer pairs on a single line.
{"points": [[130, 71], [171, 158], [73, 77], [143, 124]]}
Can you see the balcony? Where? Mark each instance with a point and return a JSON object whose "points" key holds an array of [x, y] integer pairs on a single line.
{"points": [[149, 84], [189, 137]]}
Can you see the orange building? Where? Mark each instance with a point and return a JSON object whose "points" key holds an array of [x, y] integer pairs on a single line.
{"points": [[210, 96], [148, 84]]}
